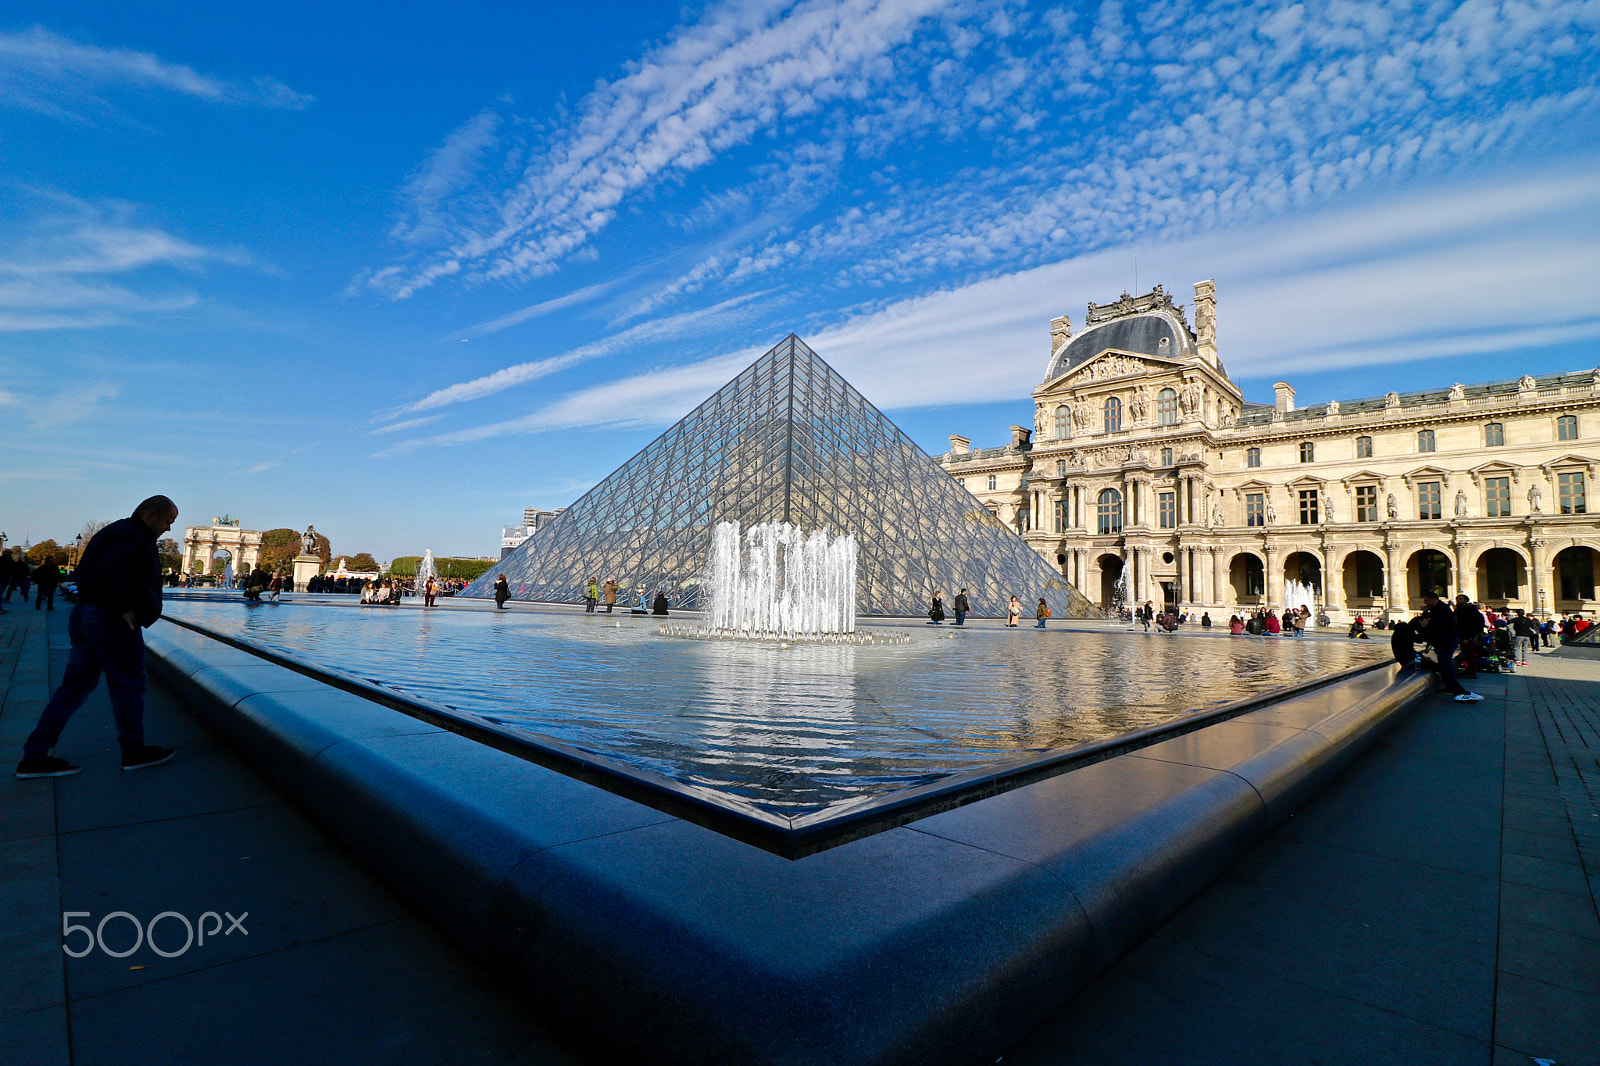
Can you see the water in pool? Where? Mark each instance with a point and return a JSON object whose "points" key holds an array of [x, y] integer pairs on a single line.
{"points": [[788, 731]]}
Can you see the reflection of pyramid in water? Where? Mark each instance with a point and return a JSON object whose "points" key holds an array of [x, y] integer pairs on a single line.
{"points": [[787, 440]]}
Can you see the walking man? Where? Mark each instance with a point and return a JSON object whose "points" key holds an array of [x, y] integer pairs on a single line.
{"points": [[963, 607], [45, 578], [1440, 630], [119, 593], [1524, 637], [591, 596]]}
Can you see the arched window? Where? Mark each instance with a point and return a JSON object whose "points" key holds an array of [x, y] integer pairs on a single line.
{"points": [[1167, 407], [1363, 447], [1061, 422], [1567, 427], [1424, 440], [1494, 435], [1110, 511], [1113, 409], [1308, 452]]}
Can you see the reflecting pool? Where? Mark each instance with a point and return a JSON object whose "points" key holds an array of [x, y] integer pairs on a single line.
{"points": [[792, 730]]}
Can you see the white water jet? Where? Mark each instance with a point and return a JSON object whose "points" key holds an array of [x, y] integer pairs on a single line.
{"points": [[778, 583], [425, 570], [1297, 595]]}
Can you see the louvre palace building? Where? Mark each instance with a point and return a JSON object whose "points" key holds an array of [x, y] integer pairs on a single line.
{"points": [[1144, 457]]}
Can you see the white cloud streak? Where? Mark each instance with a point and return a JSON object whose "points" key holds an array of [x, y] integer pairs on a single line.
{"points": [[56, 76], [81, 265], [742, 69], [1393, 281], [725, 313]]}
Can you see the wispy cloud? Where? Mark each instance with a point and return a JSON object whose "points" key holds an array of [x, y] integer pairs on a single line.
{"points": [[538, 310], [400, 427], [54, 75], [743, 68], [75, 264], [1392, 281], [72, 404], [725, 313]]}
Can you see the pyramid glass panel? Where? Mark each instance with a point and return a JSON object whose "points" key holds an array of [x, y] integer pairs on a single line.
{"points": [[787, 440]]}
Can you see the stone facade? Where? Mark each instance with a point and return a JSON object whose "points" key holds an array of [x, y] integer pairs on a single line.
{"points": [[1144, 455]]}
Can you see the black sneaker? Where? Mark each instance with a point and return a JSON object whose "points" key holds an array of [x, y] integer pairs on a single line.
{"points": [[139, 758], [45, 766]]}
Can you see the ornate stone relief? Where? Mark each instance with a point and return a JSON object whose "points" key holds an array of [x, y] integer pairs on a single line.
{"points": [[1458, 391], [1112, 366]]}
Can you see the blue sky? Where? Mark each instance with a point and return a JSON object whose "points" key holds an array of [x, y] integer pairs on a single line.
{"points": [[403, 275]]}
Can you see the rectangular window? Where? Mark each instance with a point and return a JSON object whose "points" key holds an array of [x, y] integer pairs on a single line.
{"points": [[1571, 487], [1424, 440], [1252, 457], [1429, 500], [1308, 452], [1494, 435], [1061, 516], [1255, 509], [1308, 507], [1363, 447], [991, 481], [1169, 510], [1567, 427], [1166, 456], [1366, 503], [1497, 497]]}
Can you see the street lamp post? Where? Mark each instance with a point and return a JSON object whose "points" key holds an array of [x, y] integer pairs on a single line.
{"points": [[77, 550]]}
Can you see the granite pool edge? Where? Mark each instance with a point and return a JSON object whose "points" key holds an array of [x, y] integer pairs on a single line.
{"points": [[644, 937]]}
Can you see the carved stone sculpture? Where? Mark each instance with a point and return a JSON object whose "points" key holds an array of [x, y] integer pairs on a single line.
{"points": [[1333, 407], [1394, 507], [1139, 404], [1216, 514], [1189, 399], [1327, 510], [1461, 504], [308, 541], [1391, 399], [1527, 384], [1458, 391], [1081, 413], [1272, 514], [1534, 496]]}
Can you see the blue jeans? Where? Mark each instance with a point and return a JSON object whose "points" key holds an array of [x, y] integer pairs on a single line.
{"points": [[101, 643], [961, 618], [1040, 625]]}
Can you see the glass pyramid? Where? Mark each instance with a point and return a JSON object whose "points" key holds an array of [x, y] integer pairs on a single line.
{"points": [[787, 440]]}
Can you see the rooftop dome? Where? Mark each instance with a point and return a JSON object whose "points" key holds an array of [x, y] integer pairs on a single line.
{"points": [[1148, 325]]}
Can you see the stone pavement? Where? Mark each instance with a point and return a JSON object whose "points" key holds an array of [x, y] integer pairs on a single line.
{"points": [[1436, 904], [332, 965]]}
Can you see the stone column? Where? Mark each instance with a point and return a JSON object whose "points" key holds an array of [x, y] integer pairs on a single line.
{"points": [[1332, 583], [1216, 569], [1396, 578], [1466, 573], [1539, 576], [1274, 582]]}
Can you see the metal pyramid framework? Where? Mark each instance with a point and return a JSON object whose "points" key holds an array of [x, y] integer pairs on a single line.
{"points": [[787, 440]]}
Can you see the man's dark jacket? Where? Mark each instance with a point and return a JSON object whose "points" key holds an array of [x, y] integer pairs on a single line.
{"points": [[121, 571], [1440, 628], [1469, 622]]}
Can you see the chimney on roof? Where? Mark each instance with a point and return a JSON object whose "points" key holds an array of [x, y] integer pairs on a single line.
{"points": [[1205, 320], [959, 445], [1019, 436], [1285, 402], [1060, 333]]}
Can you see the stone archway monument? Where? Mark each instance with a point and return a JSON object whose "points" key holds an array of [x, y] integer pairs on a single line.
{"points": [[202, 543]]}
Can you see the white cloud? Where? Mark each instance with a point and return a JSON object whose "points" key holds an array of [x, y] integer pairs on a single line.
{"points": [[410, 423], [56, 76], [72, 404], [56, 269], [1467, 271], [715, 85], [522, 373]]}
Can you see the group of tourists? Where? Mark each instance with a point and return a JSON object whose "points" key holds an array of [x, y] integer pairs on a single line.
{"points": [[1264, 623], [594, 593]]}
